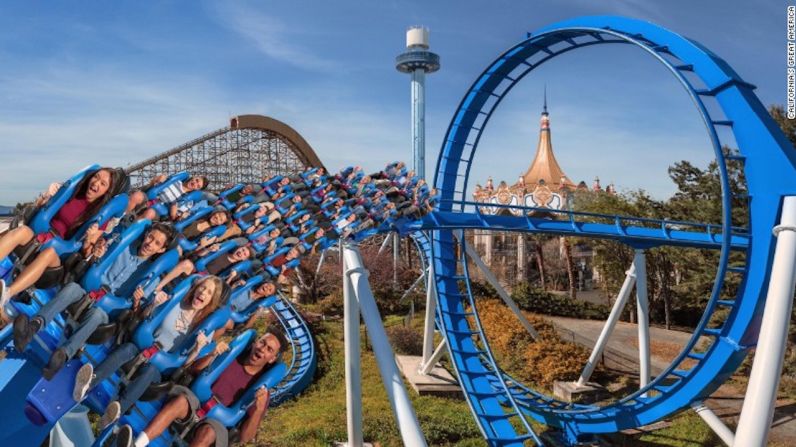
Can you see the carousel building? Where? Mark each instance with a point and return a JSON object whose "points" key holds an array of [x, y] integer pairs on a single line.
{"points": [[546, 189]]}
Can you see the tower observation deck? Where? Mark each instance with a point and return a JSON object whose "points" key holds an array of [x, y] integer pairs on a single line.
{"points": [[418, 60]]}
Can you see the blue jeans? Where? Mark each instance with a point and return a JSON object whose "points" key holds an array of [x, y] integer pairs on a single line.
{"points": [[147, 374], [89, 322]]}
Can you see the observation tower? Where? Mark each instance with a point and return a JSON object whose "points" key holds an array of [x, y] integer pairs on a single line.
{"points": [[417, 61]]}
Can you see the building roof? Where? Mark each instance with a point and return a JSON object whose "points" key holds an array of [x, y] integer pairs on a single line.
{"points": [[545, 167]]}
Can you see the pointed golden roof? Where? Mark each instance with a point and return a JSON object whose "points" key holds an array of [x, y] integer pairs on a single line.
{"points": [[544, 166]]}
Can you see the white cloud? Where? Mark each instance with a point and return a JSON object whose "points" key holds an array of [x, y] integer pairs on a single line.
{"points": [[62, 118], [58, 120], [274, 38]]}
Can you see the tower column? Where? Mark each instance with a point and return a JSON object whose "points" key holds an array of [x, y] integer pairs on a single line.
{"points": [[419, 121]]}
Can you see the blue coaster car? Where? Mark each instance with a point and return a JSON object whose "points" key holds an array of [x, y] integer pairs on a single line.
{"points": [[229, 416]]}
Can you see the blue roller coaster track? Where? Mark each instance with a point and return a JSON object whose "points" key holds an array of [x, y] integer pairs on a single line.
{"points": [[723, 100], [502, 406]]}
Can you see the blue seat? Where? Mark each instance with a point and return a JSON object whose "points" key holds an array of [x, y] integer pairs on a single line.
{"points": [[152, 193], [92, 280], [144, 336], [41, 221]]}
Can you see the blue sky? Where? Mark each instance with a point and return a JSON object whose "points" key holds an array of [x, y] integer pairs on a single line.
{"points": [[116, 82]]}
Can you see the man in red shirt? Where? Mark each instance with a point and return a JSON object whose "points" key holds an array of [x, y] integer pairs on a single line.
{"points": [[230, 386]]}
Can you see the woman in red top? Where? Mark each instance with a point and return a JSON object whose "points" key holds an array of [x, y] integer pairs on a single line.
{"points": [[90, 196]]}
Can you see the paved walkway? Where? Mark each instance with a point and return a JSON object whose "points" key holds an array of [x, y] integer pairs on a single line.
{"points": [[726, 402], [665, 344]]}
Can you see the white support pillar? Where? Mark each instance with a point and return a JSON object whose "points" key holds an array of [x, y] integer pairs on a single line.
{"points": [[643, 312], [490, 277], [405, 416], [353, 374], [761, 393], [610, 323], [715, 424], [431, 313], [412, 287], [384, 244], [320, 262], [427, 367]]}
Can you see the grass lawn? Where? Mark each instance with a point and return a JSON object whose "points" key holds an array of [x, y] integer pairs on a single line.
{"points": [[318, 417]]}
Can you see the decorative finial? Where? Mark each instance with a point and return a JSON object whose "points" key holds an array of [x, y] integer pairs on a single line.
{"points": [[545, 121], [545, 100]]}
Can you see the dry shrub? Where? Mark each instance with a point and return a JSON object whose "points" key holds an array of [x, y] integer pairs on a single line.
{"points": [[542, 361], [504, 330], [405, 340], [547, 362], [331, 305]]}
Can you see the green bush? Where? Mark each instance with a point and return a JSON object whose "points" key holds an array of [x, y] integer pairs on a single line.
{"points": [[482, 289], [540, 301], [331, 305]]}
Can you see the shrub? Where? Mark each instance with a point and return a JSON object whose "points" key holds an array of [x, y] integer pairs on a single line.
{"points": [[405, 340], [548, 362], [540, 301], [482, 289], [331, 305], [540, 361], [388, 299]]}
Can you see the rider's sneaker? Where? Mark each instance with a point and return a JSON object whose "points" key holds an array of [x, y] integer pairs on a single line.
{"points": [[111, 415], [57, 361], [125, 437], [24, 330], [5, 295], [83, 382]]}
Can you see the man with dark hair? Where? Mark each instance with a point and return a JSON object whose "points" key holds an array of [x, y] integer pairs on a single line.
{"points": [[121, 279], [231, 384]]}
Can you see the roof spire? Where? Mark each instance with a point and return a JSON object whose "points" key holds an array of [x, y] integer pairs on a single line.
{"points": [[545, 100], [545, 168], [545, 121]]}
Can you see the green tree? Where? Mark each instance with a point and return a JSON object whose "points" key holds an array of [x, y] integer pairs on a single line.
{"points": [[788, 126]]}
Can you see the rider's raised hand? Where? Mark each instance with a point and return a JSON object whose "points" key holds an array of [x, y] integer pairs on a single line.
{"points": [[161, 297], [261, 398], [221, 348], [100, 248], [202, 340], [138, 294]]}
